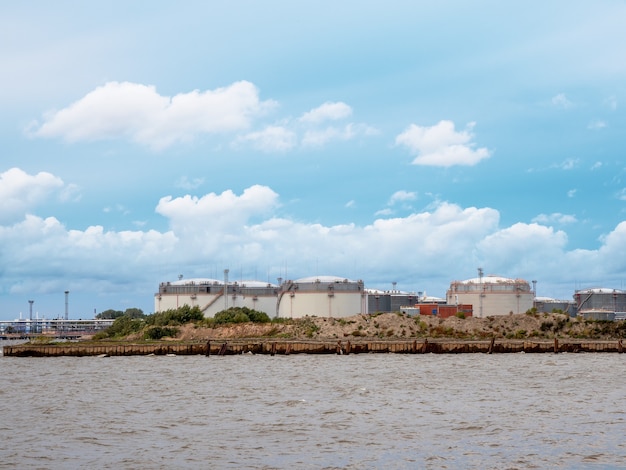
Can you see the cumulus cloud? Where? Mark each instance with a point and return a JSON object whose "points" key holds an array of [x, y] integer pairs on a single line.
{"points": [[315, 128], [329, 111], [402, 196], [124, 110], [245, 230], [555, 218], [442, 145], [270, 139], [21, 192]]}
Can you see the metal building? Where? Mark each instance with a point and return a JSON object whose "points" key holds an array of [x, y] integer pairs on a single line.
{"points": [[549, 305], [389, 301], [492, 295]]}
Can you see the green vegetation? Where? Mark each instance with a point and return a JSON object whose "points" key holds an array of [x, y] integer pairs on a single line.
{"points": [[113, 314], [240, 315], [158, 332]]}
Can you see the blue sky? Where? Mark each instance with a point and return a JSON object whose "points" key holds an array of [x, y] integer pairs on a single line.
{"points": [[407, 142]]}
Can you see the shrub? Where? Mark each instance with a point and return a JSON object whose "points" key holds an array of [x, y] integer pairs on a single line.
{"points": [[122, 326], [177, 316], [158, 332], [240, 315]]}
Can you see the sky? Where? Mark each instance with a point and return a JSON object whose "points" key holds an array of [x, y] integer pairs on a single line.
{"points": [[405, 142]]}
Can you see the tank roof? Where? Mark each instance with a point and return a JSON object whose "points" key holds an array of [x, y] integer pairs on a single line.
{"points": [[323, 279], [491, 279], [600, 290], [196, 281]]}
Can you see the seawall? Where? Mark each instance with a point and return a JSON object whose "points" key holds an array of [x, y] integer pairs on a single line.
{"points": [[222, 348]]}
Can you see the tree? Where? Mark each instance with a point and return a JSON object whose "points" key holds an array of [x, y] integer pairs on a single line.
{"points": [[134, 313], [109, 314]]}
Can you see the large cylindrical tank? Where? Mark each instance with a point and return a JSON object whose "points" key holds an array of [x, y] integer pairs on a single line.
{"points": [[322, 296], [492, 295]]}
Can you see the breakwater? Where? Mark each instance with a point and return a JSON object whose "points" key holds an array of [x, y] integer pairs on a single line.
{"points": [[271, 347]]}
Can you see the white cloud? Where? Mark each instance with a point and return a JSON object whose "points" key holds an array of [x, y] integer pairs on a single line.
{"points": [[21, 192], [383, 212], [571, 192], [329, 111], [442, 145], [596, 124], [555, 217], [271, 139], [596, 165], [425, 250], [568, 164], [561, 101], [124, 110], [185, 183], [611, 102], [402, 196]]}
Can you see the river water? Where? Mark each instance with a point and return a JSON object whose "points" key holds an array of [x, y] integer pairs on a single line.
{"points": [[314, 412]]}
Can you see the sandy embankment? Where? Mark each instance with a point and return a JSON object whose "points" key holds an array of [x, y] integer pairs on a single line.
{"points": [[399, 326]]}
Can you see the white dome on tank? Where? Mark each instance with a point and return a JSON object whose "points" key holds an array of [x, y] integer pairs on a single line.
{"points": [[323, 279]]}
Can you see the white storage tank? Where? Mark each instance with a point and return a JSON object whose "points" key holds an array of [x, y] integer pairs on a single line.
{"points": [[322, 296], [492, 295], [211, 297]]}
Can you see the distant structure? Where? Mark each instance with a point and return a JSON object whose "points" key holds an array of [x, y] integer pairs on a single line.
{"points": [[389, 300], [67, 309], [491, 295], [326, 296], [549, 305], [600, 303]]}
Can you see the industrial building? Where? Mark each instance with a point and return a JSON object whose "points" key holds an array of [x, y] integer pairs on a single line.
{"points": [[389, 300], [326, 296], [600, 303], [549, 305], [492, 295]]}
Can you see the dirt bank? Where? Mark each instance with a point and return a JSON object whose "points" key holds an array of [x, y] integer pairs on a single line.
{"points": [[401, 326]]}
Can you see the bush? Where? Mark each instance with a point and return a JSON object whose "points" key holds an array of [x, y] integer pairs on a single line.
{"points": [[177, 316], [158, 332], [240, 315], [122, 326]]}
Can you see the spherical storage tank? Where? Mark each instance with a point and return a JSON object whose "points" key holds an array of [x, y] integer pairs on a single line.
{"points": [[492, 295], [322, 296]]}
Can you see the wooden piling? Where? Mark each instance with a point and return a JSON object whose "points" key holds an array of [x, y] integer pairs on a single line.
{"points": [[425, 346], [556, 345], [493, 341]]}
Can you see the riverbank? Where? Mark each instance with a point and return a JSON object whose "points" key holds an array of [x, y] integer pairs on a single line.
{"points": [[271, 347], [391, 326]]}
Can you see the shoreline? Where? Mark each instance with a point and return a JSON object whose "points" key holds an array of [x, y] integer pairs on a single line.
{"points": [[286, 347]]}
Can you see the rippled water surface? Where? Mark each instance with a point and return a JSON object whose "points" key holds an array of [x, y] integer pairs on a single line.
{"points": [[307, 411]]}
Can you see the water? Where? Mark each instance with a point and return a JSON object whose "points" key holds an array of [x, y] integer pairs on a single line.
{"points": [[311, 412]]}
